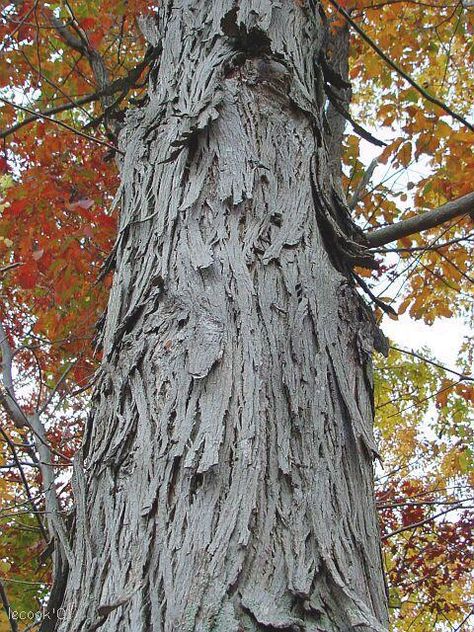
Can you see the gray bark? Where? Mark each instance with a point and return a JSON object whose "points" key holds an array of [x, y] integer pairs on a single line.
{"points": [[225, 483]]}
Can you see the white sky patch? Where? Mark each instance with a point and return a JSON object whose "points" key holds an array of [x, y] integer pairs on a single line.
{"points": [[444, 337]]}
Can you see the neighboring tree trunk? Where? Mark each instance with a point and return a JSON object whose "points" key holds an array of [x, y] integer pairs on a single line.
{"points": [[227, 482]]}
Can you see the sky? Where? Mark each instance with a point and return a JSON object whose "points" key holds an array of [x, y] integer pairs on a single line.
{"points": [[444, 337]]}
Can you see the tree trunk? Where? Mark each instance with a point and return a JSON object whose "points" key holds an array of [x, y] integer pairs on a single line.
{"points": [[227, 482]]}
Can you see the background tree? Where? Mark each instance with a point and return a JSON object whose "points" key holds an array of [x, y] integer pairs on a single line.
{"points": [[60, 187]]}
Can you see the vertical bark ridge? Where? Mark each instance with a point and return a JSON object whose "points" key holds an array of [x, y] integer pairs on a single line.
{"points": [[227, 481]]}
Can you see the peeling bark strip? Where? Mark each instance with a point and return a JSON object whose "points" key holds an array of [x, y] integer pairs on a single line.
{"points": [[227, 483]]}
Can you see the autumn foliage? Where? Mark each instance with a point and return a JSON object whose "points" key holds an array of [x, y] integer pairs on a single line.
{"points": [[58, 224]]}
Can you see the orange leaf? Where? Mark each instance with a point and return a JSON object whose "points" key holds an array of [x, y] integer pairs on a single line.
{"points": [[390, 150]]}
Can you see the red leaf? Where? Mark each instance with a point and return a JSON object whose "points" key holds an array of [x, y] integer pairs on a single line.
{"points": [[96, 37], [27, 276], [17, 207], [87, 23], [107, 221]]}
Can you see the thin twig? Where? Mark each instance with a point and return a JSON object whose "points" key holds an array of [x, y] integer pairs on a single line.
{"points": [[420, 523], [74, 130], [463, 377], [55, 389], [426, 399], [18, 27], [11, 266], [122, 84], [458, 240], [47, 113], [422, 503]]}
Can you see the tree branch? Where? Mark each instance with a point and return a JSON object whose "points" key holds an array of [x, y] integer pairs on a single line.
{"points": [[81, 44], [430, 219], [7, 395], [338, 105], [415, 525], [56, 527], [421, 503], [55, 523], [121, 84], [398, 70], [62, 124], [47, 113], [338, 51], [54, 390], [6, 607], [10, 266], [72, 41], [357, 195]]}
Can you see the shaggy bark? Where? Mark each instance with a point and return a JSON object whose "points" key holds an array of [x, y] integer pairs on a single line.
{"points": [[227, 475]]}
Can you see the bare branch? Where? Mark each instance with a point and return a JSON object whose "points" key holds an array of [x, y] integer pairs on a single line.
{"points": [[56, 525], [338, 51], [430, 219], [82, 45], [337, 103], [7, 608], [7, 394], [71, 40]]}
